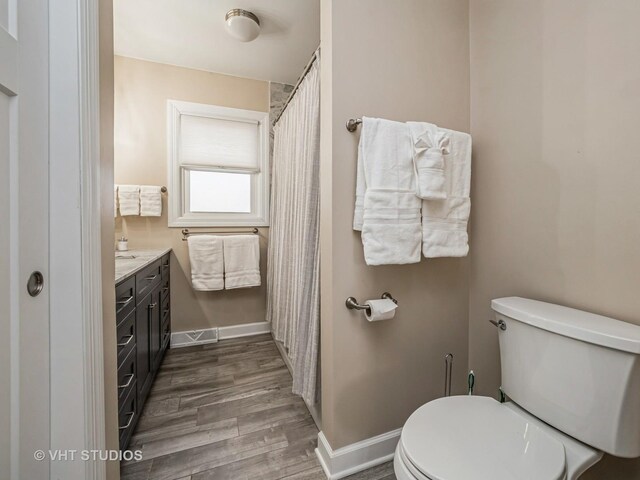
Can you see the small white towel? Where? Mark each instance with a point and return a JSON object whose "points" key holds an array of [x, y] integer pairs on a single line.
{"points": [[115, 201], [430, 144], [150, 201], [129, 198], [391, 230], [206, 256], [241, 261], [387, 210], [444, 222]]}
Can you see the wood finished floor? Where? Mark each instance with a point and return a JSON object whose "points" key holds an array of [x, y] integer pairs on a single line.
{"points": [[225, 411]]}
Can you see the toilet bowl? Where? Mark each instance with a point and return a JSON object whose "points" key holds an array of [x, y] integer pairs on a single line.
{"points": [[469, 437], [573, 378]]}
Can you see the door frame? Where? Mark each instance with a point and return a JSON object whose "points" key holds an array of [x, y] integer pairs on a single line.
{"points": [[77, 365]]}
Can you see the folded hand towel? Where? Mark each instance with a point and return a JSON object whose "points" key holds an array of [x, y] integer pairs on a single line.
{"points": [[115, 201], [444, 222], [241, 261], [387, 209], [150, 201], [207, 263], [129, 198], [430, 143], [391, 231]]}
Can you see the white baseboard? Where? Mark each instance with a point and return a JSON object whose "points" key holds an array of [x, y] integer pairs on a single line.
{"points": [[190, 338], [358, 456]]}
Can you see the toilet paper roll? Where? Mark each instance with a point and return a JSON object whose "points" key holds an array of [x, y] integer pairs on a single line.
{"points": [[380, 309]]}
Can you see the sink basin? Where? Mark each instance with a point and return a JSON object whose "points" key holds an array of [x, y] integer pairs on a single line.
{"points": [[125, 257]]}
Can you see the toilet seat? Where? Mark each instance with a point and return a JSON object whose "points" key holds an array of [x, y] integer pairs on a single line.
{"points": [[472, 437]]}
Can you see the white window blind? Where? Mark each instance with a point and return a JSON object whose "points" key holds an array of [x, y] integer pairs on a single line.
{"points": [[218, 165], [217, 142]]}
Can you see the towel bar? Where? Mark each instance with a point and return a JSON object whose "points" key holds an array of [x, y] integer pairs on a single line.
{"points": [[352, 124], [186, 233]]}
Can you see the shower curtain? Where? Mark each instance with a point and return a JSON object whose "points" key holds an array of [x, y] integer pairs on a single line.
{"points": [[293, 265]]}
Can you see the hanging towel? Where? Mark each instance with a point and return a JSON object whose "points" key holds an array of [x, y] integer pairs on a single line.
{"points": [[115, 201], [430, 144], [150, 201], [387, 210], [207, 264], [241, 261], [129, 198], [444, 222]]}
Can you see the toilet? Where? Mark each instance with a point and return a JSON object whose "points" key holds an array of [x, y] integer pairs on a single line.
{"points": [[573, 380]]}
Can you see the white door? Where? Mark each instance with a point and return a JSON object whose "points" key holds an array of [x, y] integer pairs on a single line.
{"points": [[24, 241]]}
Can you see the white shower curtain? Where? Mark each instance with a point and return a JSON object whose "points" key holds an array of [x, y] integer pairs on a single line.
{"points": [[293, 269]]}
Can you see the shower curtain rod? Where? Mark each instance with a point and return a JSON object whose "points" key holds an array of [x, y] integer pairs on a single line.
{"points": [[297, 85]]}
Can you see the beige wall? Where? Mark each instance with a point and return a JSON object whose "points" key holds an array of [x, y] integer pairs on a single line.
{"points": [[408, 61], [555, 114], [141, 93], [106, 222]]}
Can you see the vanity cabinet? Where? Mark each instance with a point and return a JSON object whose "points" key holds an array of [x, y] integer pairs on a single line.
{"points": [[143, 316]]}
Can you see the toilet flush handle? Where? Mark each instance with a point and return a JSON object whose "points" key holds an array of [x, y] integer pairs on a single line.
{"points": [[500, 324]]}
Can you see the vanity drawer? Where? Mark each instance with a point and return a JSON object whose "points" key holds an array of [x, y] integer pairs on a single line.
{"points": [[126, 337], [126, 378], [164, 291], [147, 279], [166, 262], [127, 417], [165, 310], [125, 298], [166, 333]]}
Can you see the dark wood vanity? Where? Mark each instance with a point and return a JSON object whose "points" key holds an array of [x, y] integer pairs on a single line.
{"points": [[143, 314]]}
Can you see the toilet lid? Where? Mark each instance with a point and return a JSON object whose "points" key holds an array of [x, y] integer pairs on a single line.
{"points": [[472, 437]]}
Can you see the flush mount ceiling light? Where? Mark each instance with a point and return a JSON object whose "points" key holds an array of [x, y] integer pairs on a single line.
{"points": [[242, 25]]}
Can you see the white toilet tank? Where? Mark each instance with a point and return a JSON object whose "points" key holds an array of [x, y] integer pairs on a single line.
{"points": [[577, 371]]}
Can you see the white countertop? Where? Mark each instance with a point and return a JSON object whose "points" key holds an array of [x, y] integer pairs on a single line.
{"points": [[132, 261]]}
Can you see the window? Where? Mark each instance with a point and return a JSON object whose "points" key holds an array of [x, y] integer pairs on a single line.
{"points": [[218, 166]]}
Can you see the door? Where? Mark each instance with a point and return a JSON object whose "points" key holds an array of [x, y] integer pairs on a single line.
{"points": [[24, 242]]}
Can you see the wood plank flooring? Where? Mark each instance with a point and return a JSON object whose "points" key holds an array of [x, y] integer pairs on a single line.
{"points": [[225, 411]]}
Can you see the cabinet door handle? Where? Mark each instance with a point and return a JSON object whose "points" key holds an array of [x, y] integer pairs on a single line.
{"points": [[131, 415], [165, 265], [151, 278], [126, 302], [131, 375], [127, 342], [152, 306], [165, 289]]}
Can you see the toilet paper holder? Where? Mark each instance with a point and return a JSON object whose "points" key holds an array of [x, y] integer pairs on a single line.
{"points": [[352, 303]]}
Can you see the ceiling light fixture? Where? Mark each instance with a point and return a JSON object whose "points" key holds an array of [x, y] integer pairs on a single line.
{"points": [[242, 25]]}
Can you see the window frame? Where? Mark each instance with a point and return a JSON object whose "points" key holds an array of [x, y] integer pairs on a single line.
{"points": [[178, 178]]}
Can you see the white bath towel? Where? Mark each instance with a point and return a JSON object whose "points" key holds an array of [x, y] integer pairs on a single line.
{"points": [[150, 201], [444, 222], [206, 256], [241, 261], [387, 210], [115, 201], [430, 144], [129, 199]]}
